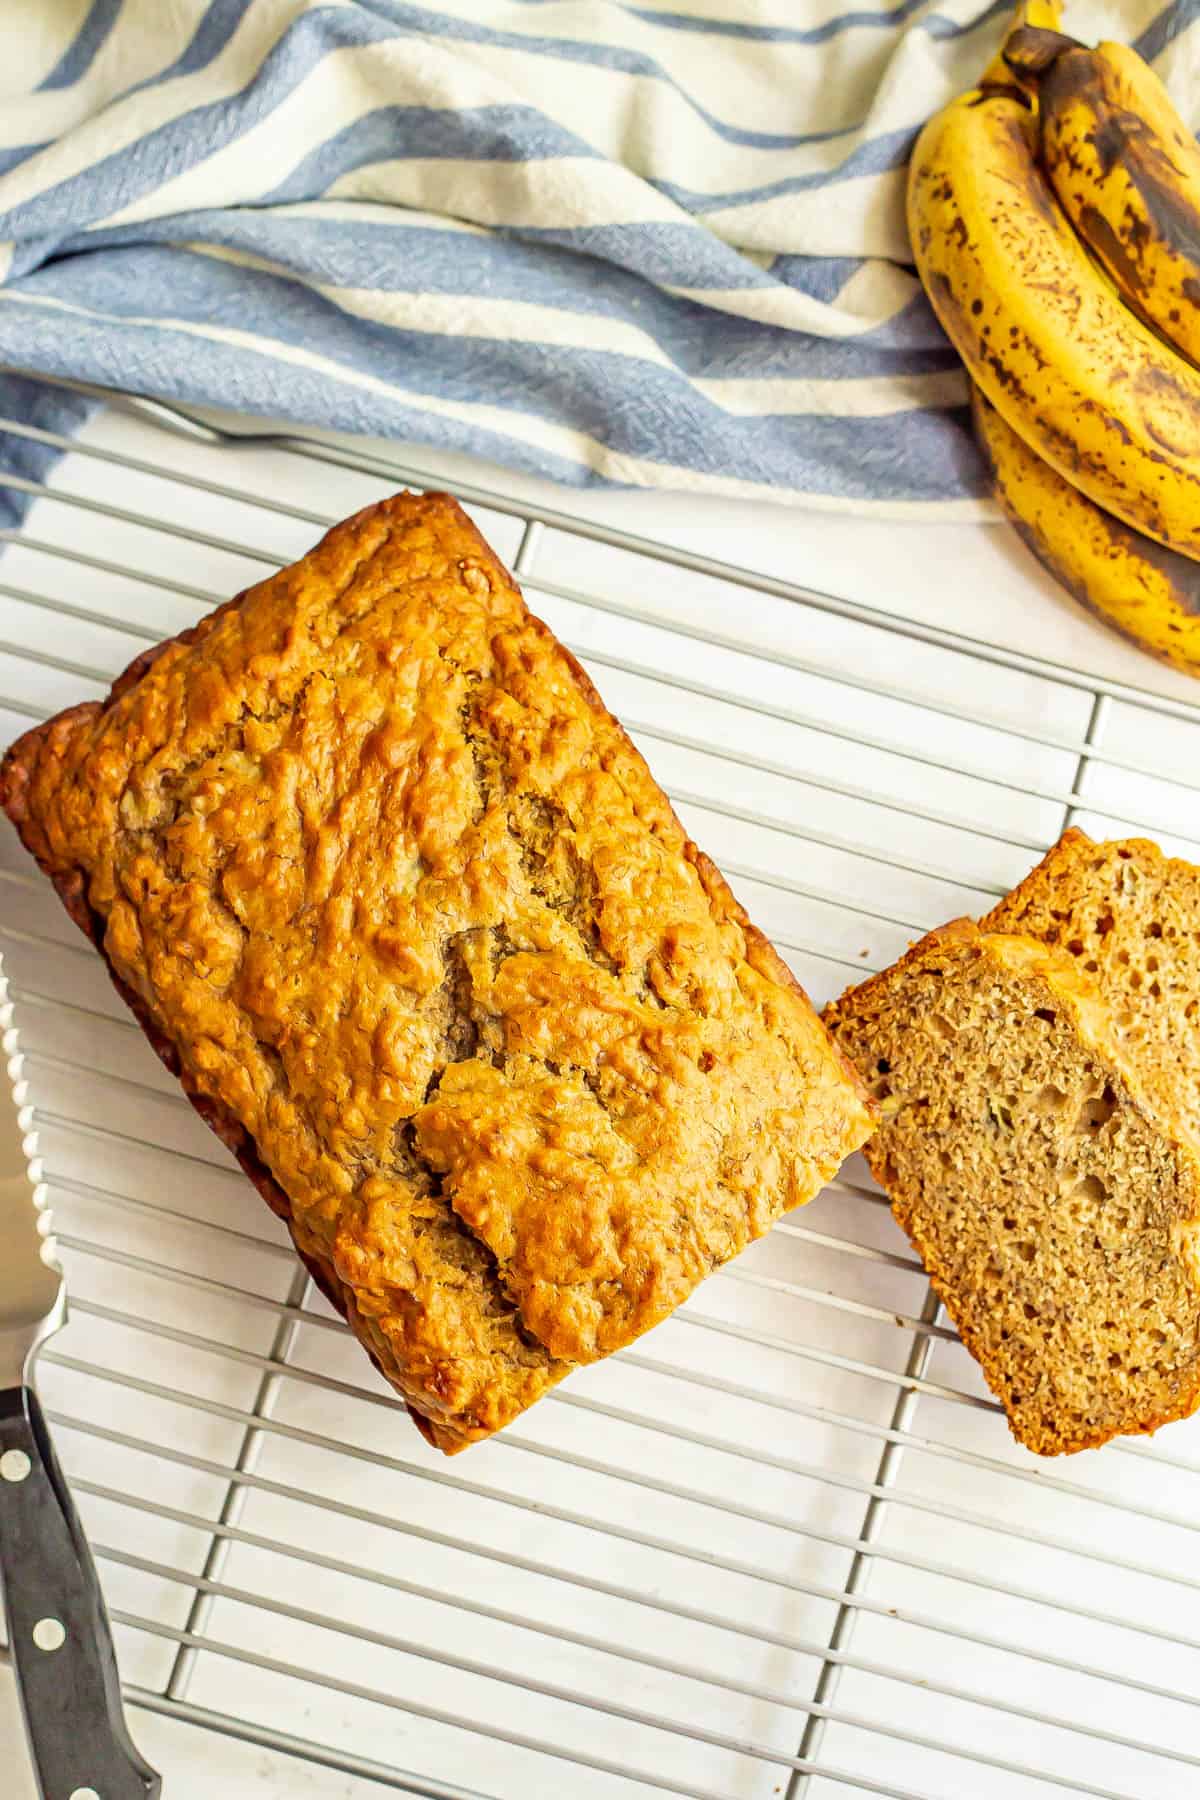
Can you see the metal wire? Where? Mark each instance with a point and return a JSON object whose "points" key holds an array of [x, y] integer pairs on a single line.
{"points": [[723, 1467], [892, 1435], [764, 1753], [627, 1652], [748, 1629], [898, 1438], [394, 467], [909, 1381], [729, 645]]}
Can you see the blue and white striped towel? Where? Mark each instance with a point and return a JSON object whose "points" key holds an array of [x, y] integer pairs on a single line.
{"points": [[657, 244]]}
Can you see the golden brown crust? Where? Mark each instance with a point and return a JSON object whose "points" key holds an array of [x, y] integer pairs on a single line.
{"points": [[1070, 845], [402, 906]]}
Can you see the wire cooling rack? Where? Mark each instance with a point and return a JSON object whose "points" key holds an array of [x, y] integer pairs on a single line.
{"points": [[784, 1546]]}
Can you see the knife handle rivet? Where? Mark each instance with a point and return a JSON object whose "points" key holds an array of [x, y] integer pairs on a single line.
{"points": [[49, 1634], [14, 1465], [83, 1794]]}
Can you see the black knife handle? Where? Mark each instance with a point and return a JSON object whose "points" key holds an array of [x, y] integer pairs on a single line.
{"points": [[70, 1694]]}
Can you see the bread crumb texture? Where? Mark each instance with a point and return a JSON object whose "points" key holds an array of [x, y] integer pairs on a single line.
{"points": [[1130, 918], [1053, 1199], [405, 908]]}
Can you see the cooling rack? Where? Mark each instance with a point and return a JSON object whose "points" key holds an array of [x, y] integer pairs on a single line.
{"points": [[784, 1546]]}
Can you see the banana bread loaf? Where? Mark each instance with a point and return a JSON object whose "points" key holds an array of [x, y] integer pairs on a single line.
{"points": [[1055, 1206], [401, 905], [1130, 917]]}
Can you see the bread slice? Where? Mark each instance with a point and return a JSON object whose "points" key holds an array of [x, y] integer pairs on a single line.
{"points": [[1055, 1206], [1130, 917]]}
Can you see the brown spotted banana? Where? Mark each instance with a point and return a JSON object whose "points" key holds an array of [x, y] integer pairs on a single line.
{"points": [[1148, 593], [1126, 171], [1089, 387]]}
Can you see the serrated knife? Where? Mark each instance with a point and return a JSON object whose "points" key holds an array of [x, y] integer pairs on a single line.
{"points": [[57, 1626]]}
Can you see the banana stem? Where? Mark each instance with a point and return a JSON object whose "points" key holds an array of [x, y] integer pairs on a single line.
{"points": [[1029, 50], [1040, 15]]}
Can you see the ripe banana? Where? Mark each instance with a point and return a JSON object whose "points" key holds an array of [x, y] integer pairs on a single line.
{"points": [[1126, 170], [1150, 594], [1084, 382]]}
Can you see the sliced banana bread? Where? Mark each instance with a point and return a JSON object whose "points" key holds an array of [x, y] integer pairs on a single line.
{"points": [[1130, 917], [1054, 1203]]}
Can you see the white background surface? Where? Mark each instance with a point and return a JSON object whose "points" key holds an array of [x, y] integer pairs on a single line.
{"points": [[827, 902], [197, 1764]]}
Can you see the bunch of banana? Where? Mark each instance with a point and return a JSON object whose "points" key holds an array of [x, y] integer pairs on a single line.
{"points": [[1055, 218]]}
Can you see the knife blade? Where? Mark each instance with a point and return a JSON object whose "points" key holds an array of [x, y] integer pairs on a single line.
{"points": [[58, 1629]]}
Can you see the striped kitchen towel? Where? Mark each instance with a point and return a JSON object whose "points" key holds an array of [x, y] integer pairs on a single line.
{"points": [[656, 244]]}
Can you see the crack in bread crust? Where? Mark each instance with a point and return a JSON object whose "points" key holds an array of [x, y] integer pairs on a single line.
{"points": [[398, 901]]}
